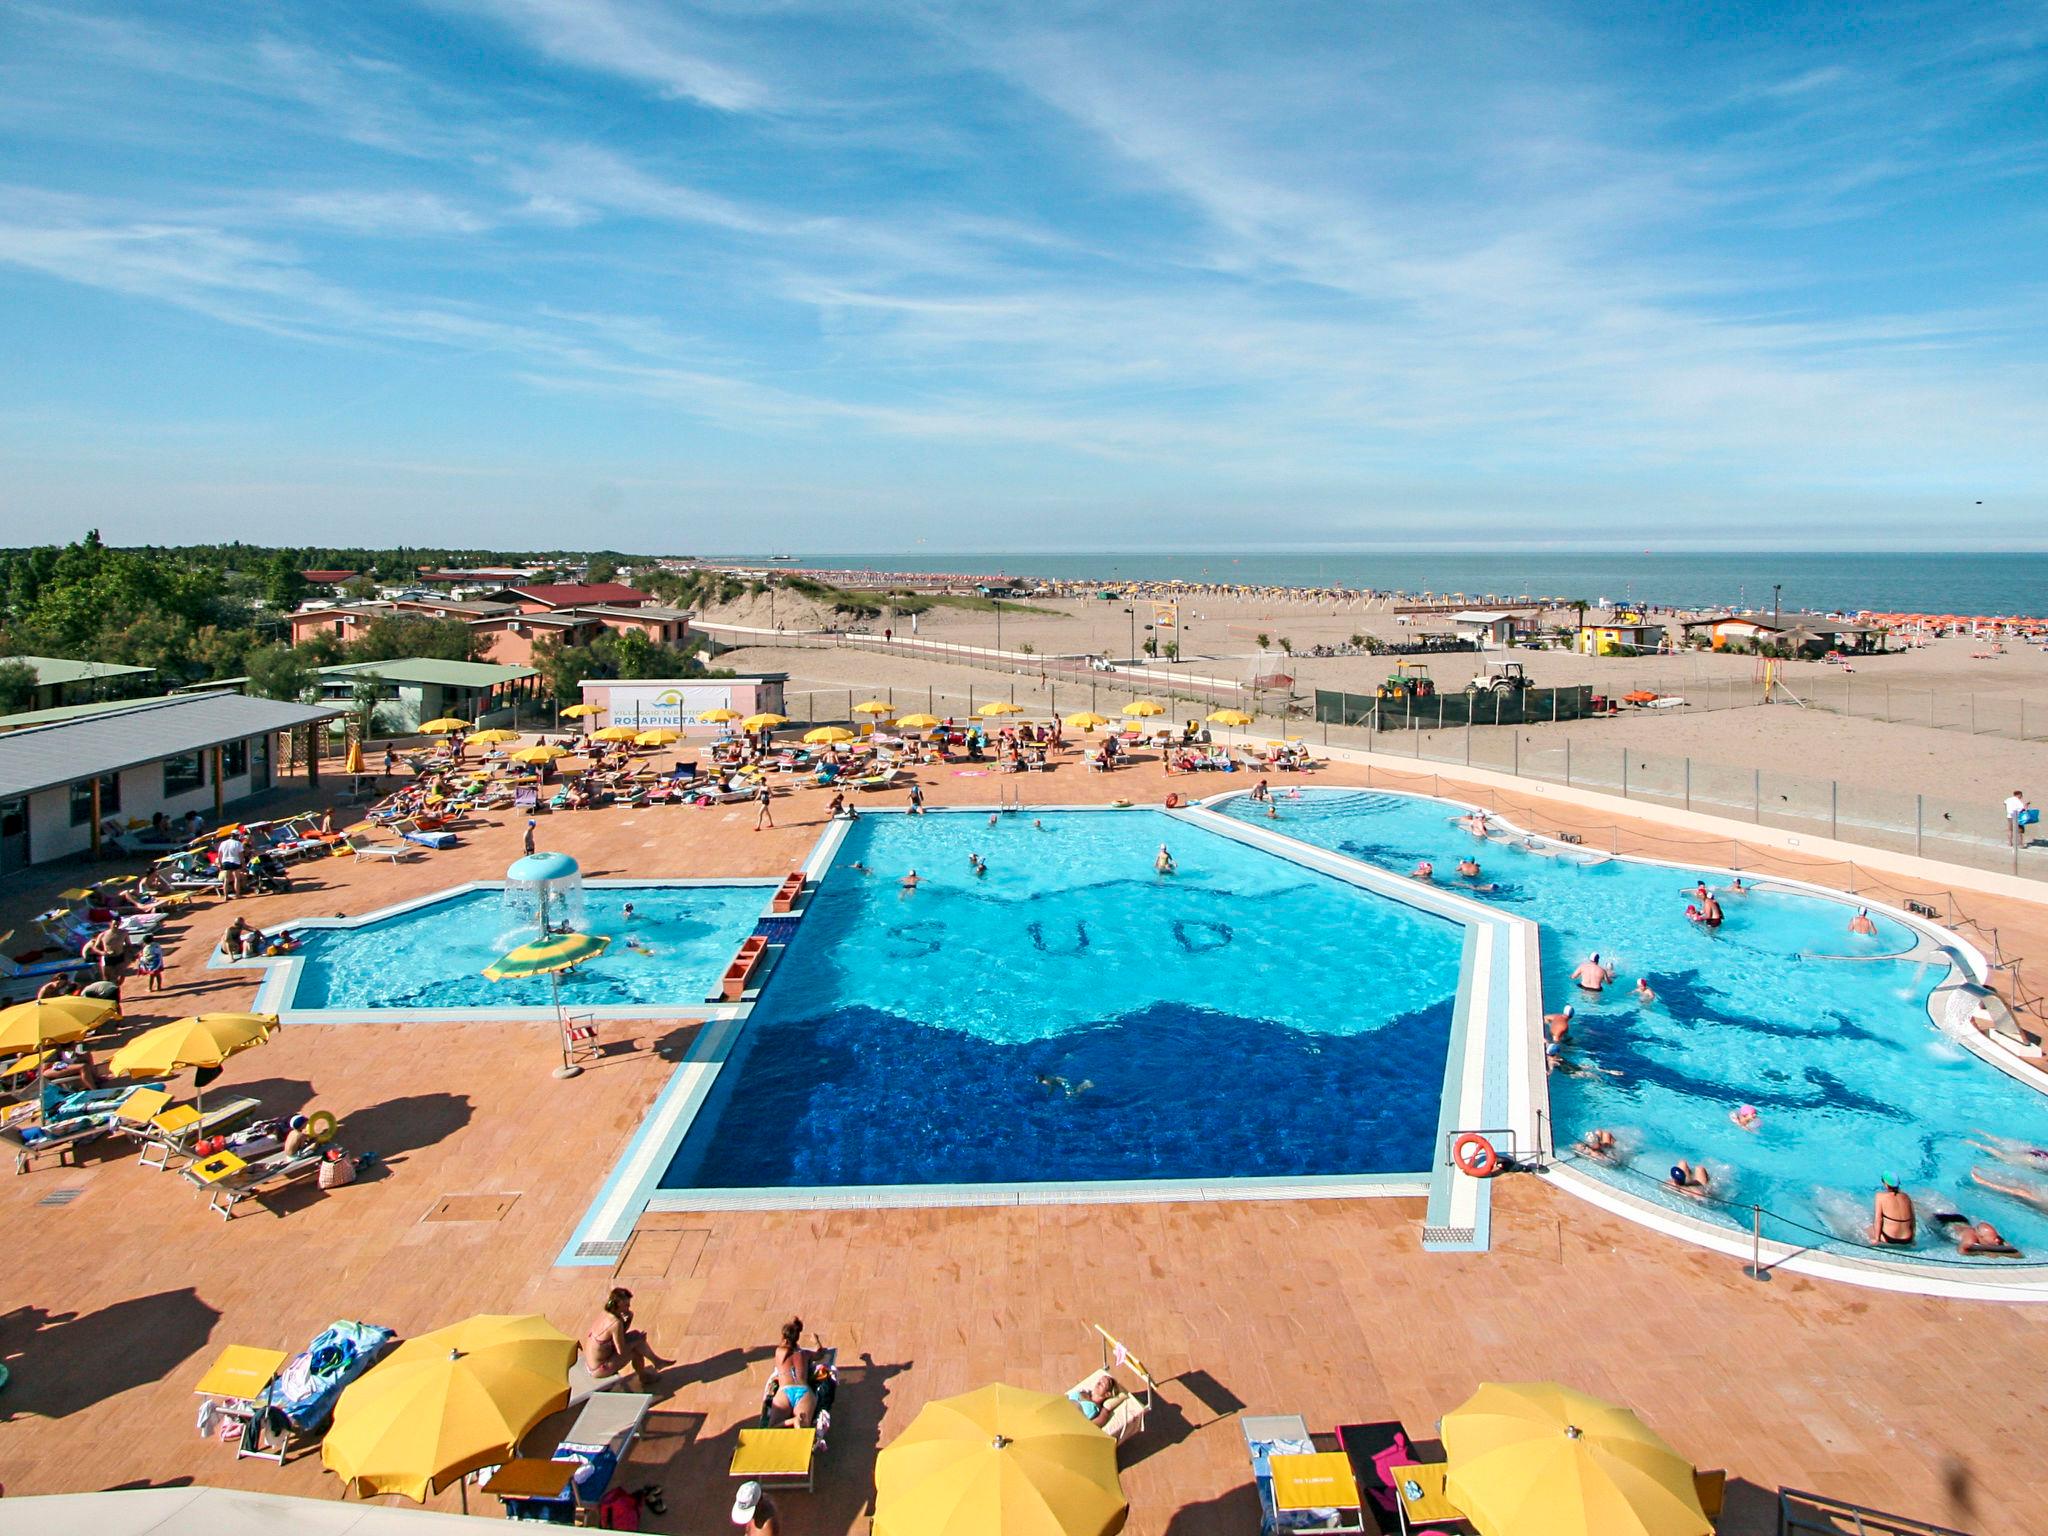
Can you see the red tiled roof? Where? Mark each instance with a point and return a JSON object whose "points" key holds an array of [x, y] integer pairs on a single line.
{"points": [[329, 578], [571, 593]]}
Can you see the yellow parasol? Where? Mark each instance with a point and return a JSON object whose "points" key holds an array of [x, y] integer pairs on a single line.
{"points": [[999, 707], [999, 1461], [719, 716], [614, 733], [1086, 720], [1230, 717], [828, 733], [660, 736], [443, 1404], [549, 957], [1539, 1459], [353, 763], [581, 711], [767, 720], [443, 727], [204, 1040], [494, 738], [1142, 707], [539, 754], [919, 722], [52, 1021], [874, 707]]}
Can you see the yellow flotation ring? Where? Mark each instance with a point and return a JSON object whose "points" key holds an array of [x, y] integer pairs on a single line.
{"points": [[320, 1125]]}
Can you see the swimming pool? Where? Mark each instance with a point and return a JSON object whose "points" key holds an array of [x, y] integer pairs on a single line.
{"points": [[429, 957], [1073, 1016], [1826, 1034]]}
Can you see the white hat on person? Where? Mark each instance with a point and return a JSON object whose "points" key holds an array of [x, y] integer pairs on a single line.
{"points": [[748, 1501]]}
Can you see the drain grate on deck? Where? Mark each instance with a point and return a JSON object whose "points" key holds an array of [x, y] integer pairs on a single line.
{"points": [[62, 1196], [1447, 1234], [470, 1208], [599, 1250]]}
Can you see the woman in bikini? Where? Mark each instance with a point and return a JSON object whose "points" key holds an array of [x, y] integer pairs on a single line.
{"points": [[793, 1390], [612, 1345]]}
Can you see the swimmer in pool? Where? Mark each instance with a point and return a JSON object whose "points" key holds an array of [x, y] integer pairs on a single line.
{"points": [[2032, 1191], [1037, 824], [909, 882], [1600, 1144], [1060, 1084], [2019, 1153], [1710, 912], [1861, 924], [1468, 869], [859, 868], [1975, 1237], [1892, 1223], [1423, 871], [1643, 992], [626, 912], [1692, 1179], [1164, 863], [1737, 888], [1700, 892], [978, 864], [991, 818], [1591, 975], [1558, 1025], [1746, 1117]]}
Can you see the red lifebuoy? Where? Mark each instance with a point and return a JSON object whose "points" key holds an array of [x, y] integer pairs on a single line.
{"points": [[1173, 801], [1474, 1155]]}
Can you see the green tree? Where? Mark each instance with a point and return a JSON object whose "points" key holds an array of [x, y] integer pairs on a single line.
{"points": [[284, 585], [387, 639], [280, 672], [1263, 641], [602, 570], [365, 694], [17, 686]]}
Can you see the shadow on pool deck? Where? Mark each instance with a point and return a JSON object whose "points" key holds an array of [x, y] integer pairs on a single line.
{"points": [[398, 1126], [63, 1362]]}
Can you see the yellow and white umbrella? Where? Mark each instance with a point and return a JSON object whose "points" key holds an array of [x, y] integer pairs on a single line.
{"points": [[581, 711], [874, 707], [918, 722], [1086, 720], [1145, 707], [445, 726], [765, 721], [999, 1461], [443, 1404], [826, 734], [495, 737], [614, 733], [1230, 717], [660, 736], [997, 707], [540, 754], [719, 716], [1539, 1459]]}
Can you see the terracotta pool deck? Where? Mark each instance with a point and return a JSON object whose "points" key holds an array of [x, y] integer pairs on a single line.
{"points": [[116, 1299]]}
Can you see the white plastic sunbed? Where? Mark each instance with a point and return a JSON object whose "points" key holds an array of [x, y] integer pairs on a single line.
{"points": [[392, 851]]}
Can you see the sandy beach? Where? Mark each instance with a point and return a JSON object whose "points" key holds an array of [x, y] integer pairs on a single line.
{"points": [[1802, 731]]}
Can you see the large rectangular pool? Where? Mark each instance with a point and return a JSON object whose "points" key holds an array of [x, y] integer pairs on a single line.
{"points": [[1072, 1015]]}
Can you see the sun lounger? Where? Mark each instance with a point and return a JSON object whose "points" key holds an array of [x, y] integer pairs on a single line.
{"points": [[583, 1385], [79, 1119], [1299, 1488], [229, 1180], [174, 1132], [1374, 1450], [297, 1405], [392, 851], [887, 779], [413, 832], [1127, 1412], [38, 971], [589, 1457]]}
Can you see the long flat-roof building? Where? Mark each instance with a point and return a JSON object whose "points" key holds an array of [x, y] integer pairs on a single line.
{"points": [[67, 785], [416, 688], [61, 681]]}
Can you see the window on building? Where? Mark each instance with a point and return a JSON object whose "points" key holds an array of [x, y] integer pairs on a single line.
{"points": [[81, 798], [183, 773], [234, 759]]}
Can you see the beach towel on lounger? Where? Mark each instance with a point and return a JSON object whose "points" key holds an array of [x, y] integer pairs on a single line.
{"points": [[304, 1393]]}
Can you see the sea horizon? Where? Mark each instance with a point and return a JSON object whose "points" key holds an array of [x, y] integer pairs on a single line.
{"points": [[1975, 583]]}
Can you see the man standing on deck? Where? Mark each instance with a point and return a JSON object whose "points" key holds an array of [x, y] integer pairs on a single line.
{"points": [[2016, 808]]}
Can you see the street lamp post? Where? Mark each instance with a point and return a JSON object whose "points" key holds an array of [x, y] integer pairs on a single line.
{"points": [[997, 603], [1132, 612], [1776, 588]]}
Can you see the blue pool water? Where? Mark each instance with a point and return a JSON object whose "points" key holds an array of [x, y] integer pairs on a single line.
{"points": [[1074, 1016], [433, 956], [1783, 1009]]}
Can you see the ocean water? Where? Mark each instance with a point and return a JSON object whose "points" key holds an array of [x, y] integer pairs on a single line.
{"points": [[1825, 1033], [671, 951], [1073, 1015], [1884, 583]]}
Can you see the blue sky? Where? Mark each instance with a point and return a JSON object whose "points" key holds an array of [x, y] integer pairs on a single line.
{"points": [[759, 273]]}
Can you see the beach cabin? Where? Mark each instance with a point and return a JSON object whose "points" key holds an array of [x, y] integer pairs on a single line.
{"points": [[68, 785], [1814, 634], [60, 681], [1615, 638], [1488, 631]]}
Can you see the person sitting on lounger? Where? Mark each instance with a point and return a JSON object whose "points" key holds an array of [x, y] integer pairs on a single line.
{"points": [[1099, 1401], [795, 1393], [1892, 1224], [612, 1346]]}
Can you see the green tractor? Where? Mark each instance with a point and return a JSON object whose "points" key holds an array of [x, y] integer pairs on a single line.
{"points": [[1411, 680]]}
